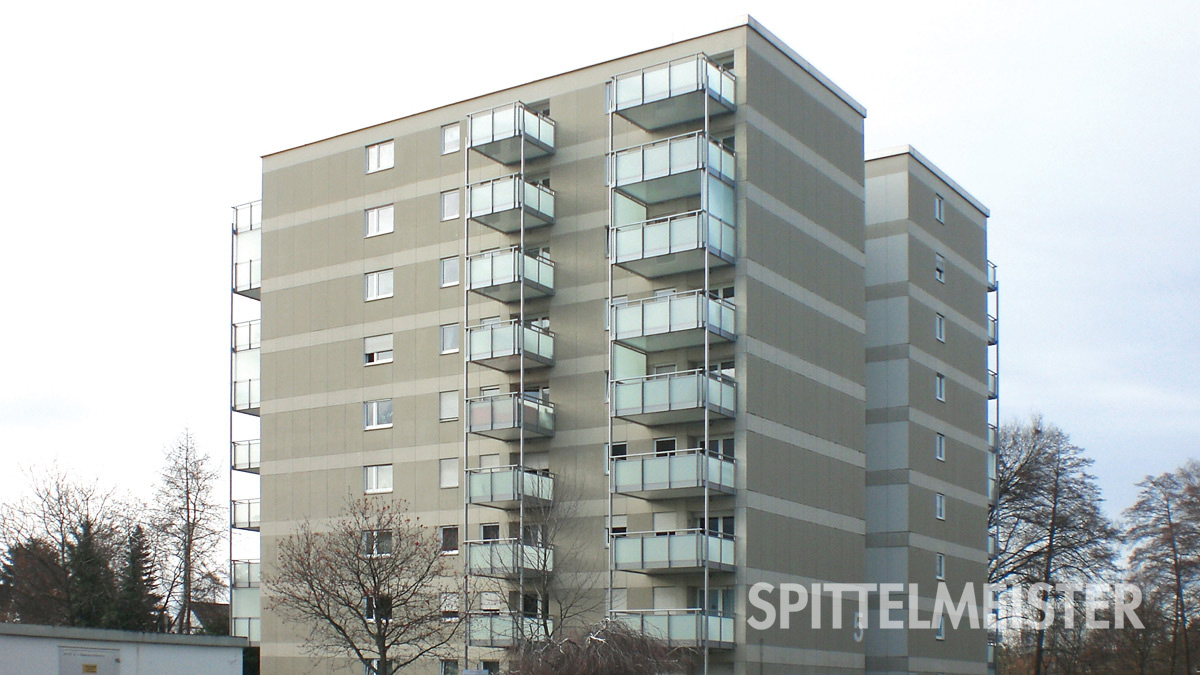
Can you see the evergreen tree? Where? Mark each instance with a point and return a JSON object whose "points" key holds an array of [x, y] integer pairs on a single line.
{"points": [[91, 580], [136, 606]]}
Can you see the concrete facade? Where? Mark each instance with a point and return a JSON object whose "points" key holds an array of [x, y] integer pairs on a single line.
{"points": [[796, 460]]}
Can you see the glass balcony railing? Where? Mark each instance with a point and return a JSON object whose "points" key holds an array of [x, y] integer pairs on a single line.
{"points": [[246, 514], [668, 398], [247, 249], [247, 278], [247, 573], [506, 630], [246, 456], [247, 217], [669, 169], [247, 335], [992, 283], [672, 93], [993, 330], [501, 132], [993, 437], [510, 345], [249, 627], [505, 416], [680, 551], [247, 396], [673, 245], [499, 204], [993, 384], [499, 274], [682, 473], [682, 627], [673, 321], [507, 558], [506, 486]]}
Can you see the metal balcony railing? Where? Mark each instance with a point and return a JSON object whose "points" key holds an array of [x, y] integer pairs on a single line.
{"points": [[673, 321], [249, 627], [506, 486], [509, 345], [993, 330], [247, 335], [506, 629], [246, 514], [672, 93], [247, 249], [678, 551], [247, 278], [668, 398], [507, 558], [993, 437], [670, 169], [673, 245], [247, 573], [993, 384], [245, 456], [498, 274], [681, 473], [682, 627], [498, 203], [505, 416], [498, 133], [993, 283], [247, 396]]}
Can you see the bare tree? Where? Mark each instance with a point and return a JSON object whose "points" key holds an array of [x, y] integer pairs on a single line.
{"points": [[606, 648], [188, 526], [369, 586]]}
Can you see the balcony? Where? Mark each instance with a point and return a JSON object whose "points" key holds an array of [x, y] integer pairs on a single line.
{"points": [[673, 321], [674, 245], [247, 396], [249, 627], [500, 203], [993, 385], [504, 487], [682, 627], [672, 93], [245, 456], [993, 437], [671, 398], [246, 514], [507, 416], [674, 552], [508, 558], [510, 346], [506, 630], [247, 573], [993, 331], [504, 133], [502, 273], [684, 473], [246, 336], [247, 249], [673, 168], [992, 283]]}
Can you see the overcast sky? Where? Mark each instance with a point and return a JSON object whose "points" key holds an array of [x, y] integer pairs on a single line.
{"points": [[130, 129]]}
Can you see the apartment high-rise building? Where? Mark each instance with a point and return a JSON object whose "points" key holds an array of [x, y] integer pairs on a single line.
{"points": [[635, 337]]}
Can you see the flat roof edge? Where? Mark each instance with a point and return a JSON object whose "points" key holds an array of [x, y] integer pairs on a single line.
{"points": [[924, 161], [109, 635], [804, 64]]}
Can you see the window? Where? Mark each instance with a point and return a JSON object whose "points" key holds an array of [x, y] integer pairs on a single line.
{"points": [[939, 506], [489, 531], [380, 220], [450, 205], [492, 667], [720, 446], [377, 478], [448, 667], [451, 138], [939, 566], [939, 327], [449, 338], [449, 537], [377, 349], [941, 628], [618, 450], [448, 473], [449, 271], [447, 406], [939, 447], [664, 446], [377, 542], [377, 414], [381, 156], [377, 608], [939, 208], [449, 605], [939, 387], [939, 267], [377, 285]]}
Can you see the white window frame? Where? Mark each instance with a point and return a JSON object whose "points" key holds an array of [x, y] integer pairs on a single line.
{"points": [[378, 349], [939, 566], [939, 506], [939, 447], [374, 412], [377, 479], [379, 285], [379, 220], [449, 340], [939, 387], [446, 265], [443, 670], [381, 156], [939, 267], [446, 399], [939, 327], [939, 208], [451, 138], [448, 473], [451, 204], [372, 539]]}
